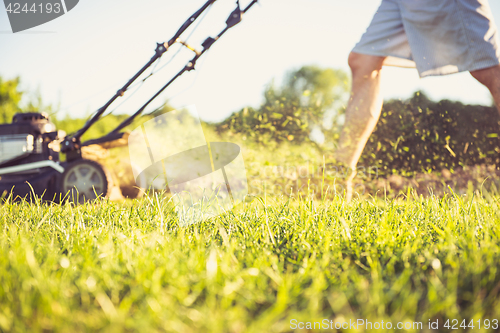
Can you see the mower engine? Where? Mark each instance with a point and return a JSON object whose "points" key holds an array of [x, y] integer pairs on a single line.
{"points": [[29, 138], [29, 155], [30, 166]]}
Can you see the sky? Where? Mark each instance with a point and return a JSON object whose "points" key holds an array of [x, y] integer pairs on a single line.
{"points": [[79, 60]]}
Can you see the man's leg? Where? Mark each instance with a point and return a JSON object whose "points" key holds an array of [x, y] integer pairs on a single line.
{"points": [[363, 109], [362, 112], [490, 77]]}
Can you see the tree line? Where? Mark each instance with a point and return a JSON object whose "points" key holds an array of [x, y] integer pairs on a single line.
{"points": [[412, 135]]}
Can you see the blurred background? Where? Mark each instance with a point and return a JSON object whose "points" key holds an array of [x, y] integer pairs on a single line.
{"points": [[80, 59], [277, 80]]}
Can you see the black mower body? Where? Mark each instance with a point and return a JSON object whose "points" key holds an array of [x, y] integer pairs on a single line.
{"points": [[39, 185], [44, 133], [30, 138]]}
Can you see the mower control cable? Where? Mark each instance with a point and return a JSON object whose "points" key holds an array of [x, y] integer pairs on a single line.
{"points": [[72, 143], [154, 70], [234, 18]]}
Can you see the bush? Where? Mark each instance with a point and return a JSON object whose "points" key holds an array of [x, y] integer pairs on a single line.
{"points": [[309, 99], [420, 135]]}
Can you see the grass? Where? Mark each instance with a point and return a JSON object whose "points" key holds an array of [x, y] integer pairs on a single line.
{"points": [[128, 266]]}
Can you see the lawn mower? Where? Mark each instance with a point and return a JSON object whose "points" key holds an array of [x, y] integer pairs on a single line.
{"points": [[37, 160]]}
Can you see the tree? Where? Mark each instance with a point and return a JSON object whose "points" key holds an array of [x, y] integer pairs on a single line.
{"points": [[419, 135], [309, 101], [10, 96]]}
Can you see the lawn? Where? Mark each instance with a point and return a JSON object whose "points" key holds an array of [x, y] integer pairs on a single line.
{"points": [[274, 265]]}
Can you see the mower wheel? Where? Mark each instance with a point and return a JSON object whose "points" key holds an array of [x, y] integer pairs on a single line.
{"points": [[84, 180]]}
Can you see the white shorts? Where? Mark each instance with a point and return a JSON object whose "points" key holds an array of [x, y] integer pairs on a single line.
{"points": [[437, 37]]}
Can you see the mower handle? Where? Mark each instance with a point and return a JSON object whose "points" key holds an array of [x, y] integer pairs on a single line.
{"points": [[73, 142], [234, 18]]}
